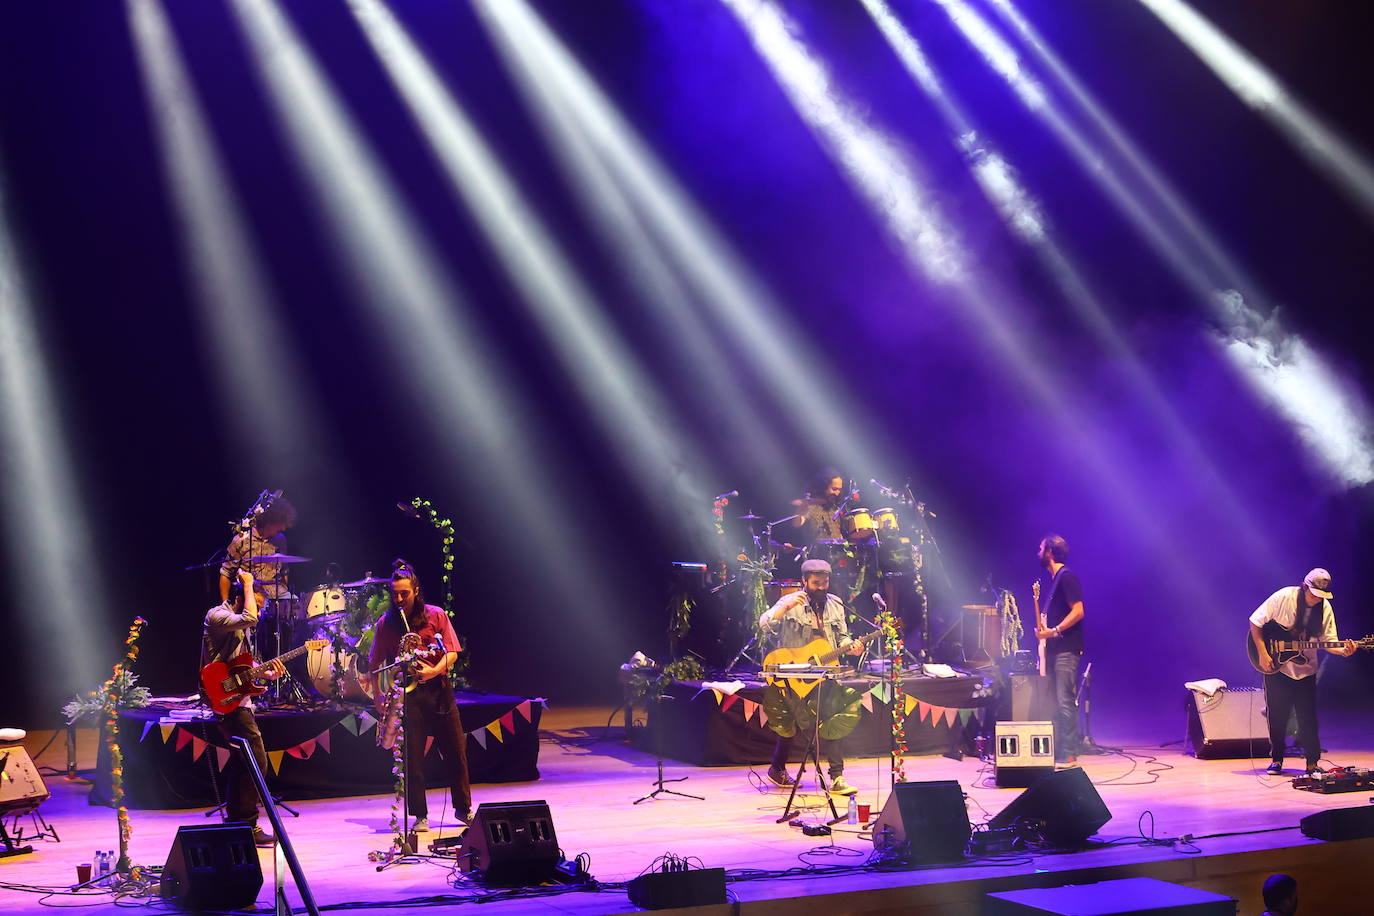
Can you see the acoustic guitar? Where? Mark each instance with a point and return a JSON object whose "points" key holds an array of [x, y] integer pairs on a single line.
{"points": [[225, 684], [1284, 646], [818, 653]]}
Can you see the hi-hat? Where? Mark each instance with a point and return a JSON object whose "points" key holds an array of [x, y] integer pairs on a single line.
{"points": [[364, 582]]}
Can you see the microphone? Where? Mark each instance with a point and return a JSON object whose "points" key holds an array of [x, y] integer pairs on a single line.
{"points": [[731, 495], [878, 600], [408, 509]]}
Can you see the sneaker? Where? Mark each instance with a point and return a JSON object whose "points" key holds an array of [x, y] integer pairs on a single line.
{"points": [[839, 787], [781, 778], [1313, 769], [421, 825], [1275, 768], [1068, 763], [262, 838], [465, 815]]}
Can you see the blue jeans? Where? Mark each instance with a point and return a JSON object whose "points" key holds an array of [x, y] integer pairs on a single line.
{"points": [[1064, 669]]}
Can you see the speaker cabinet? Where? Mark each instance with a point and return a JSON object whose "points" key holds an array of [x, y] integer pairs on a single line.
{"points": [[1229, 724], [1064, 807], [1339, 824], [22, 789], [1023, 753], [924, 821], [213, 867], [511, 843]]}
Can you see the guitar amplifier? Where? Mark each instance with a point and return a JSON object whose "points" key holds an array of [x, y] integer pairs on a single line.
{"points": [[1229, 724], [1024, 753]]}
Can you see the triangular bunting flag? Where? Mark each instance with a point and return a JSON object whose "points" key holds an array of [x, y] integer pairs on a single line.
{"points": [[508, 721], [763, 717], [728, 702], [964, 715], [274, 758], [883, 691], [950, 715], [524, 710], [323, 740], [480, 736], [183, 738], [147, 727], [350, 724], [166, 731], [910, 705], [924, 707], [197, 747], [750, 707], [718, 695], [867, 701], [429, 743], [222, 756], [365, 722], [494, 727], [307, 748], [500, 735], [295, 752]]}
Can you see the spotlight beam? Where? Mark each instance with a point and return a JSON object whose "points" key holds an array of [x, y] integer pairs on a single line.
{"points": [[258, 387], [613, 383]]}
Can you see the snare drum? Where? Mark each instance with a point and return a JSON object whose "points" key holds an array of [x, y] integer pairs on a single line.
{"points": [[858, 524], [886, 519], [324, 601]]}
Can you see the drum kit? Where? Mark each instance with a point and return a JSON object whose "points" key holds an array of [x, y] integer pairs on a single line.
{"points": [[338, 612]]}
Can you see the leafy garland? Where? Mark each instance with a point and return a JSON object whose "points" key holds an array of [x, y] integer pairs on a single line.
{"points": [[113, 693], [1012, 628], [445, 527], [718, 513], [892, 634], [753, 575], [131, 696]]}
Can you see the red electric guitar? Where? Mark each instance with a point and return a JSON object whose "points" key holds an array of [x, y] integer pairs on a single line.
{"points": [[223, 686]]}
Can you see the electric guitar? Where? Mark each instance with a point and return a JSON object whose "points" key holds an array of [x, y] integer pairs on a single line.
{"points": [[1039, 623], [225, 684], [818, 653], [1283, 647]]}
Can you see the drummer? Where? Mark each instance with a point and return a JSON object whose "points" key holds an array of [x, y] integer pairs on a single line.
{"points": [[266, 536], [817, 509]]}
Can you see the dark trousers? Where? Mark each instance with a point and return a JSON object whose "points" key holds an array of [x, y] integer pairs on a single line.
{"points": [[834, 754], [1283, 696], [431, 711], [1064, 669], [241, 796]]}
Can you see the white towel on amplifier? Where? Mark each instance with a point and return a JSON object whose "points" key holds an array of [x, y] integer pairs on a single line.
{"points": [[1208, 686]]}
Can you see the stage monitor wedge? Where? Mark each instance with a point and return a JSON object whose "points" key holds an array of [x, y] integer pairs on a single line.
{"points": [[1339, 823], [512, 844], [22, 788], [924, 821], [1063, 807], [212, 867]]}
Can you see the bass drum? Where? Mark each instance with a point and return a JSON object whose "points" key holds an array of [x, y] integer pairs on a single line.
{"points": [[334, 674]]}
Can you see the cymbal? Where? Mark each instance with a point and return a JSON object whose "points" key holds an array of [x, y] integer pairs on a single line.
{"points": [[276, 558], [751, 517], [364, 582]]}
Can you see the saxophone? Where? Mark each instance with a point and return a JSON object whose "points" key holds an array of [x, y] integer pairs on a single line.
{"points": [[395, 700]]}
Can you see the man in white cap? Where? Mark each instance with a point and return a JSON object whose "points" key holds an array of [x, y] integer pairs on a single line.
{"points": [[1305, 611], [794, 621]]}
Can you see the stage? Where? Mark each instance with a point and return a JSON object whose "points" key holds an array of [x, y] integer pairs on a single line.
{"points": [[591, 782]]}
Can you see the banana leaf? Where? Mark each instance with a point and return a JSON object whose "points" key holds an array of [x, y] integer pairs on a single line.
{"points": [[839, 710]]}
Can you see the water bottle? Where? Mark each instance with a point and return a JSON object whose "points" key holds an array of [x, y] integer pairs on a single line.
{"points": [[853, 809]]}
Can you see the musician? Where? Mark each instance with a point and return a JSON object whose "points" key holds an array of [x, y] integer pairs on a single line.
{"points": [[264, 536], [1306, 610], [816, 510], [430, 709], [1063, 635], [794, 621], [225, 636]]}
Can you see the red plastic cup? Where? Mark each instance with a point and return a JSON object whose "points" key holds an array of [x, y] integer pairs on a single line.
{"points": [[83, 872], [863, 813]]}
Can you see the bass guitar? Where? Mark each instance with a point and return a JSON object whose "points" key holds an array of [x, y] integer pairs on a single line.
{"points": [[816, 654], [1284, 646], [224, 685], [1039, 623]]}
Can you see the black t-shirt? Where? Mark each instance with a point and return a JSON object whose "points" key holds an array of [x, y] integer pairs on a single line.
{"points": [[1065, 592]]}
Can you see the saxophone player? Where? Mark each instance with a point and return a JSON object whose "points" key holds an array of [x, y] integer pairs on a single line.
{"points": [[430, 708]]}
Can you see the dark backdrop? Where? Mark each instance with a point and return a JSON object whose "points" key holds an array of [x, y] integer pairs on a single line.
{"points": [[160, 473]]}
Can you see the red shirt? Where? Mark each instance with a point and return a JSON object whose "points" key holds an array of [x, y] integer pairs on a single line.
{"points": [[389, 630]]}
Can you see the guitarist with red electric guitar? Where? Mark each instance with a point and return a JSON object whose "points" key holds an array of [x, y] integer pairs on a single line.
{"points": [[226, 662], [1285, 632]]}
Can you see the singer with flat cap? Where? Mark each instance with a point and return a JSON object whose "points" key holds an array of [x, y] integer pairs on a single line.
{"points": [[1305, 611], [793, 622]]}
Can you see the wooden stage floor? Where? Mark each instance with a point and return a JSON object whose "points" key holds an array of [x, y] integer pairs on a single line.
{"points": [[590, 786]]}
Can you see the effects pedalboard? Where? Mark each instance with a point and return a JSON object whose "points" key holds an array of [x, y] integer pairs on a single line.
{"points": [[1337, 779]]}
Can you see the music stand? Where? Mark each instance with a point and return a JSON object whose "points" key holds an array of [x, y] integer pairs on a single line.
{"points": [[811, 753]]}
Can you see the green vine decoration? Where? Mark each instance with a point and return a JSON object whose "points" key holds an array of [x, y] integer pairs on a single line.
{"points": [[1012, 630], [112, 692], [753, 576], [892, 635], [681, 604], [684, 669], [131, 696], [447, 538]]}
